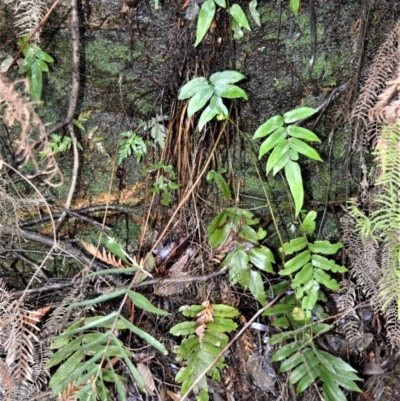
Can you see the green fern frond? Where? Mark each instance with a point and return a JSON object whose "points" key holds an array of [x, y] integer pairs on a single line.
{"points": [[205, 341]]}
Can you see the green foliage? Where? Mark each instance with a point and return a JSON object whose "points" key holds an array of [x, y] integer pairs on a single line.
{"points": [[295, 6], [131, 144], [157, 129], [232, 229], [89, 139], [33, 65], [207, 14], [88, 348], [286, 142], [310, 267], [202, 91], [383, 222], [57, 144], [254, 13], [222, 185], [165, 183], [307, 364], [205, 339], [239, 21]]}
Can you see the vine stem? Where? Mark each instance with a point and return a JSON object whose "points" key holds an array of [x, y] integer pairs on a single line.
{"points": [[72, 106]]}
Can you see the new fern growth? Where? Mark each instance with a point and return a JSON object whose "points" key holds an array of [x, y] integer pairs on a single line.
{"points": [[206, 337]]}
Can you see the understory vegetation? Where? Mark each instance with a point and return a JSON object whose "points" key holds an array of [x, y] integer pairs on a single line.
{"points": [[170, 285]]}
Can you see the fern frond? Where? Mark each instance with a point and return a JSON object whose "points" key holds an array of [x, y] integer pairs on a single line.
{"points": [[104, 256], [27, 16], [379, 73], [346, 303]]}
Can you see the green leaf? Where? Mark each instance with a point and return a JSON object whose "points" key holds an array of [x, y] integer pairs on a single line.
{"points": [[42, 65], [199, 100], [302, 133], [282, 162], [101, 298], [295, 245], [272, 141], [226, 78], [281, 322], [142, 302], [296, 263], [301, 147], [262, 257], [323, 263], [217, 177], [230, 91], [254, 13], [192, 87], [269, 126], [113, 246], [307, 380], [207, 115], [239, 15], [326, 280], [145, 336], [221, 310], [308, 225], [330, 389], [298, 114], [221, 3], [291, 362], [65, 370], [222, 325], [285, 351], [304, 275], [295, 181], [239, 271], [28, 60], [184, 329], [249, 234], [217, 103], [218, 232], [295, 6], [279, 151], [40, 54], [308, 302], [206, 16], [256, 286], [36, 81], [279, 309], [325, 247]]}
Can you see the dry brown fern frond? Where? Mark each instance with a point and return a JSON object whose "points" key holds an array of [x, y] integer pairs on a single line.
{"points": [[104, 256], [61, 317], [346, 303], [69, 392], [19, 345], [32, 138], [383, 66], [27, 16], [364, 256]]}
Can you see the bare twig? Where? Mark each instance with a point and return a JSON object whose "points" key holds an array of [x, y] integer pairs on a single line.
{"points": [[72, 106]]}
